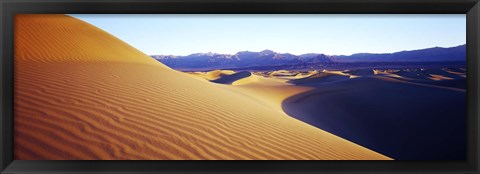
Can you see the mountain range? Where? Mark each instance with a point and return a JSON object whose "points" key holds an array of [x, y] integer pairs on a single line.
{"points": [[270, 58]]}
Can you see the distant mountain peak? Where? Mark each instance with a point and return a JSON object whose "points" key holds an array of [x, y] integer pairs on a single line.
{"points": [[204, 54], [267, 57], [267, 51], [244, 52], [432, 54]]}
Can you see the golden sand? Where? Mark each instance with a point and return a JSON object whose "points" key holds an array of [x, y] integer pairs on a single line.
{"points": [[438, 77], [212, 75], [82, 94]]}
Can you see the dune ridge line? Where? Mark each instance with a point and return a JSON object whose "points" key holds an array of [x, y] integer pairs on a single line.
{"points": [[82, 94]]}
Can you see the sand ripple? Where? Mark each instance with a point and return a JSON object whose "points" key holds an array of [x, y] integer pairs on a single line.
{"points": [[81, 93]]}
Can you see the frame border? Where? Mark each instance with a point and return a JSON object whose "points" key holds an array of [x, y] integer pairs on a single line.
{"points": [[8, 9]]}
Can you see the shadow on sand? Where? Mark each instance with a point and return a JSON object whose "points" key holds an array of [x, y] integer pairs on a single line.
{"points": [[405, 121], [229, 79]]}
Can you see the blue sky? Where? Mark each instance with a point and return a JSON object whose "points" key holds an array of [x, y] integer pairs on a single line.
{"points": [[170, 34]]}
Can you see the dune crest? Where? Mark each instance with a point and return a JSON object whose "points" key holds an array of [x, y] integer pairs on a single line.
{"points": [[212, 75], [71, 40], [82, 94], [439, 77], [256, 80]]}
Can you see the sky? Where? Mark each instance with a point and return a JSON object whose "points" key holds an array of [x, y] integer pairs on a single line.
{"points": [[184, 34]]}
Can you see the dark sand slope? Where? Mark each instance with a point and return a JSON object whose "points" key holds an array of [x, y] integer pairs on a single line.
{"points": [[440, 77], [406, 121], [229, 79], [82, 94]]}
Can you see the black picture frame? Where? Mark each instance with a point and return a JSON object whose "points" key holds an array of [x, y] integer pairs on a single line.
{"points": [[8, 9]]}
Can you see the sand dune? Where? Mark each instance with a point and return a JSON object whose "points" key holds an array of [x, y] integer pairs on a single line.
{"points": [[282, 73], [404, 120], [212, 75], [229, 79], [240, 78], [389, 73], [422, 74], [361, 72], [272, 95], [456, 71], [442, 78], [439, 77], [216, 74], [257, 80], [306, 74], [82, 94], [412, 109], [321, 77], [288, 74]]}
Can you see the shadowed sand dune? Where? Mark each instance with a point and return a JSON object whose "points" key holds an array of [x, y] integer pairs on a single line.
{"points": [[438, 77], [82, 94], [229, 79], [401, 119]]}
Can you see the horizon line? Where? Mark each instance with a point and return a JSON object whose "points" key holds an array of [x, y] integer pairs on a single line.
{"points": [[305, 53]]}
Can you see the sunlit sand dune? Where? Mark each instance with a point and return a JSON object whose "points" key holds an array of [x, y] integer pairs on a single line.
{"points": [[272, 95], [256, 80], [212, 75], [282, 73], [439, 77], [82, 94], [307, 74], [287, 74], [389, 73], [230, 77], [459, 71], [343, 73], [321, 77], [216, 74]]}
